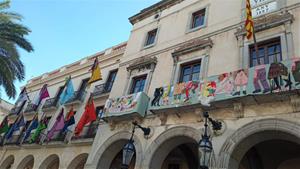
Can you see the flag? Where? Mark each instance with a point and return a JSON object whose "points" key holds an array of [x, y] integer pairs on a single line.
{"points": [[4, 125], [20, 121], [42, 125], [68, 91], [33, 125], [96, 72], [70, 120], [249, 24], [58, 125], [88, 116], [42, 95], [21, 101]]}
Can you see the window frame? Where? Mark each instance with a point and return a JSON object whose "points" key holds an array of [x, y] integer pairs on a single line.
{"points": [[265, 45], [189, 28], [145, 45], [109, 79], [191, 64], [134, 80]]}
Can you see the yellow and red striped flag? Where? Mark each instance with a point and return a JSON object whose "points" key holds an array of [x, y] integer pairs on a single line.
{"points": [[249, 24]]}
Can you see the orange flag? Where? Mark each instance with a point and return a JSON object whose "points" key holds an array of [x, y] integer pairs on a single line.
{"points": [[88, 116], [249, 24]]}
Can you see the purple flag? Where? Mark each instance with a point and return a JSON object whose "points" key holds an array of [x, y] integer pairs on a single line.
{"points": [[42, 95], [58, 125]]}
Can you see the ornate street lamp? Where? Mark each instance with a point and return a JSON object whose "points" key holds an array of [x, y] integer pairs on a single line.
{"points": [[205, 145], [129, 149]]}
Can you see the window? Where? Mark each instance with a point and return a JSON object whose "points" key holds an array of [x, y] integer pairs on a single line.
{"points": [[60, 90], [110, 80], [138, 84], [268, 52], [83, 85], [190, 72], [198, 19], [151, 36]]}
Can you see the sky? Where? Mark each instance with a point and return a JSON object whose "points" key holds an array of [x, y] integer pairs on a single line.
{"points": [[64, 31]]}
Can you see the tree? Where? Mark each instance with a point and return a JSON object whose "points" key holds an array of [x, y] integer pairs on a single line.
{"points": [[12, 36]]}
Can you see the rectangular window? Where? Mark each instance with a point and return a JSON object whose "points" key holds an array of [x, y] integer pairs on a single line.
{"points": [[190, 72], [60, 90], [268, 52], [151, 36], [198, 19], [110, 80], [138, 84]]}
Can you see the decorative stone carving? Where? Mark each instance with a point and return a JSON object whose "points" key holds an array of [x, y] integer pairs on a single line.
{"points": [[163, 118], [295, 102], [238, 110], [191, 46]]}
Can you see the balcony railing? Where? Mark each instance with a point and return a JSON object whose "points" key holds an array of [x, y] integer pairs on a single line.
{"points": [[30, 108], [89, 131], [257, 84], [78, 98], [50, 104], [100, 90], [127, 106], [15, 110]]}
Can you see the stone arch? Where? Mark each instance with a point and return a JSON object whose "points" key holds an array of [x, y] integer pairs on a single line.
{"points": [[8, 162], [28, 162], [78, 162], [264, 129], [110, 148], [173, 137], [51, 162]]}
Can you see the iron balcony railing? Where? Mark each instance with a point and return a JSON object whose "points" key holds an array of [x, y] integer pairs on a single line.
{"points": [[101, 89], [30, 108], [89, 131], [15, 110], [78, 96], [50, 103]]}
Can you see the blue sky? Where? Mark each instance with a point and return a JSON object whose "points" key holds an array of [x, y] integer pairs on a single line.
{"points": [[64, 31]]}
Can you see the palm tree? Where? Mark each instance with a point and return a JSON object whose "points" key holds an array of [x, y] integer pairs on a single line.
{"points": [[12, 34]]}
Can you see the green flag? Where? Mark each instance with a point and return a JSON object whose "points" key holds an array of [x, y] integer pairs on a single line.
{"points": [[4, 126], [38, 131]]}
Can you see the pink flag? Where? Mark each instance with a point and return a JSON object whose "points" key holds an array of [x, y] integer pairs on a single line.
{"points": [[58, 125], [42, 95]]}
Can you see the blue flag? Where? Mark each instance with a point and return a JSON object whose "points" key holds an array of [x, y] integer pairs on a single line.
{"points": [[15, 127], [68, 92], [34, 124]]}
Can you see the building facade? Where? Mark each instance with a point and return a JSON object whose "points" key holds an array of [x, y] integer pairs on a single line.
{"points": [[183, 57], [4, 108]]}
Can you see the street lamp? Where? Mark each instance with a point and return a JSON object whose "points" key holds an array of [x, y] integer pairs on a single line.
{"points": [[205, 145], [129, 149]]}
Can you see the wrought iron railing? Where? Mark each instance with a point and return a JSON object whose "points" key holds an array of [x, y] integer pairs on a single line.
{"points": [[77, 96], [50, 103], [89, 131], [30, 107], [100, 89], [15, 110]]}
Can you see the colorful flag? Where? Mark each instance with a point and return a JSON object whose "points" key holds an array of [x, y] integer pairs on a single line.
{"points": [[68, 91], [42, 95], [88, 116], [249, 24], [33, 125], [70, 120], [42, 125], [20, 121], [4, 125], [21, 101], [96, 72], [58, 125]]}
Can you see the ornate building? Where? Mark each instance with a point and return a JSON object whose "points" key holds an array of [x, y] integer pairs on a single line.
{"points": [[183, 58]]}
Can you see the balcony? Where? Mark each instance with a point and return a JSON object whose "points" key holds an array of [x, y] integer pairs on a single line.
{"points": [[15, 110], [260, 84], [87, 135], [126, 107], [30, 108], [50, 104], [100, 90], [77, 98]]}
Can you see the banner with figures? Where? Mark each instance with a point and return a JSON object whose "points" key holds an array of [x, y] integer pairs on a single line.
{"points": [[258, 80]]}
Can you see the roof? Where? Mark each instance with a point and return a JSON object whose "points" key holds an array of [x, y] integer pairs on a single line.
{"points": [[153, 9]]}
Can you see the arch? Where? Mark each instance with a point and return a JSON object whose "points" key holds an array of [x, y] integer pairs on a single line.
{"points": [[254, 133], [51, 162], [166, 142], [112, 146], [79, 161], [27, 162], [8, 162]]}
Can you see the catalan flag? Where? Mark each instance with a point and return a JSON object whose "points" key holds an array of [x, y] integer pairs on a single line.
{"points": [[249, 24], [96, 72]]}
